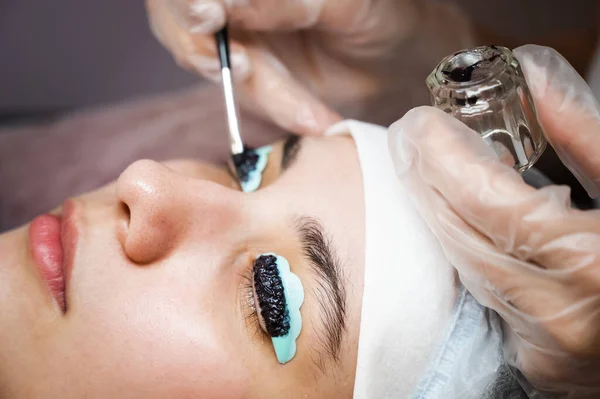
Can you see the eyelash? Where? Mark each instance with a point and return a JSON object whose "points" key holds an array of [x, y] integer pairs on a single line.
{"points": [[265, 292], [249, 310]]}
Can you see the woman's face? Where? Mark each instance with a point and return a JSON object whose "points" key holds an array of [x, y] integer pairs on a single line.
{"points": [[159, 300]]}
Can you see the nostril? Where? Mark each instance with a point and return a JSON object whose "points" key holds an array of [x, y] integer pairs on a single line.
{"points": [[123, 222], [124, 212]]}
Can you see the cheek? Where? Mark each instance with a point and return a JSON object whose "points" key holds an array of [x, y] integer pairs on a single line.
{"points": [[155, 330], [152, 346]]}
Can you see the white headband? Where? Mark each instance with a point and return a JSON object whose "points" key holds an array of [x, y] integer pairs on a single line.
{"points": [[410, 290]]}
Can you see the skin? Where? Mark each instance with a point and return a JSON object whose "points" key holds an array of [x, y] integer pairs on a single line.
{"points": [[158, 301]]}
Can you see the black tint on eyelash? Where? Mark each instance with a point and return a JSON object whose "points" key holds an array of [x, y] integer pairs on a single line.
{"points": [[245, 163], [290, 150], [271, 297]]}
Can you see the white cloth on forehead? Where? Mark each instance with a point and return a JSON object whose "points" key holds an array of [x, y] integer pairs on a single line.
{"points": [[410, 289]]}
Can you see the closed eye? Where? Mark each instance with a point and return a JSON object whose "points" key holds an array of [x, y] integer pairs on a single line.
{"points": [[286, 152]]}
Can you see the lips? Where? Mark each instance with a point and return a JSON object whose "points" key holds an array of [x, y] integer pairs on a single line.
{"points": [[52, 241]]}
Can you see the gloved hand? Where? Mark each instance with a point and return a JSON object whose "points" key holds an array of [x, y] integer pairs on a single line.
{"points": [[520, 251], [300, 62]]}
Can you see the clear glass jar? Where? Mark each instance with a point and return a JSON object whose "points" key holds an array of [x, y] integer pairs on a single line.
{"points": [[484, 87]]}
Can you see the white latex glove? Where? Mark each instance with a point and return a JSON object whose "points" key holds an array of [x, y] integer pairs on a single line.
{"points": [[300, 62], [522, 252]]}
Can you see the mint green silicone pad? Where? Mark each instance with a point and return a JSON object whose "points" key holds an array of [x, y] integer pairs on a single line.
{"points": [[255, 177], [285, 346]]}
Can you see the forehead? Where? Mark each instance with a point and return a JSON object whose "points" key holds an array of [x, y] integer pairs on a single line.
{"points": [[326, 183]]}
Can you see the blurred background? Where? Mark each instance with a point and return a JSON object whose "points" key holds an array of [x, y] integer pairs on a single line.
{"points": [[57, 57], [61, 55]]}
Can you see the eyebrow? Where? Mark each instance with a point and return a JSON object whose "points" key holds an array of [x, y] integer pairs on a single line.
{"points": [[291, 148], [330, 291]]}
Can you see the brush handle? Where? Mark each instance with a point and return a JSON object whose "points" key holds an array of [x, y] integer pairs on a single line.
{"points": [[235, 140]]}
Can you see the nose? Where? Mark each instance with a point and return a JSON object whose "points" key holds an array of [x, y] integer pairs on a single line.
{"points": [[163, 207]]}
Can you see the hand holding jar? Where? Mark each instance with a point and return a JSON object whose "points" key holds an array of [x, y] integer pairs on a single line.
{"points": [[522, 252]]}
